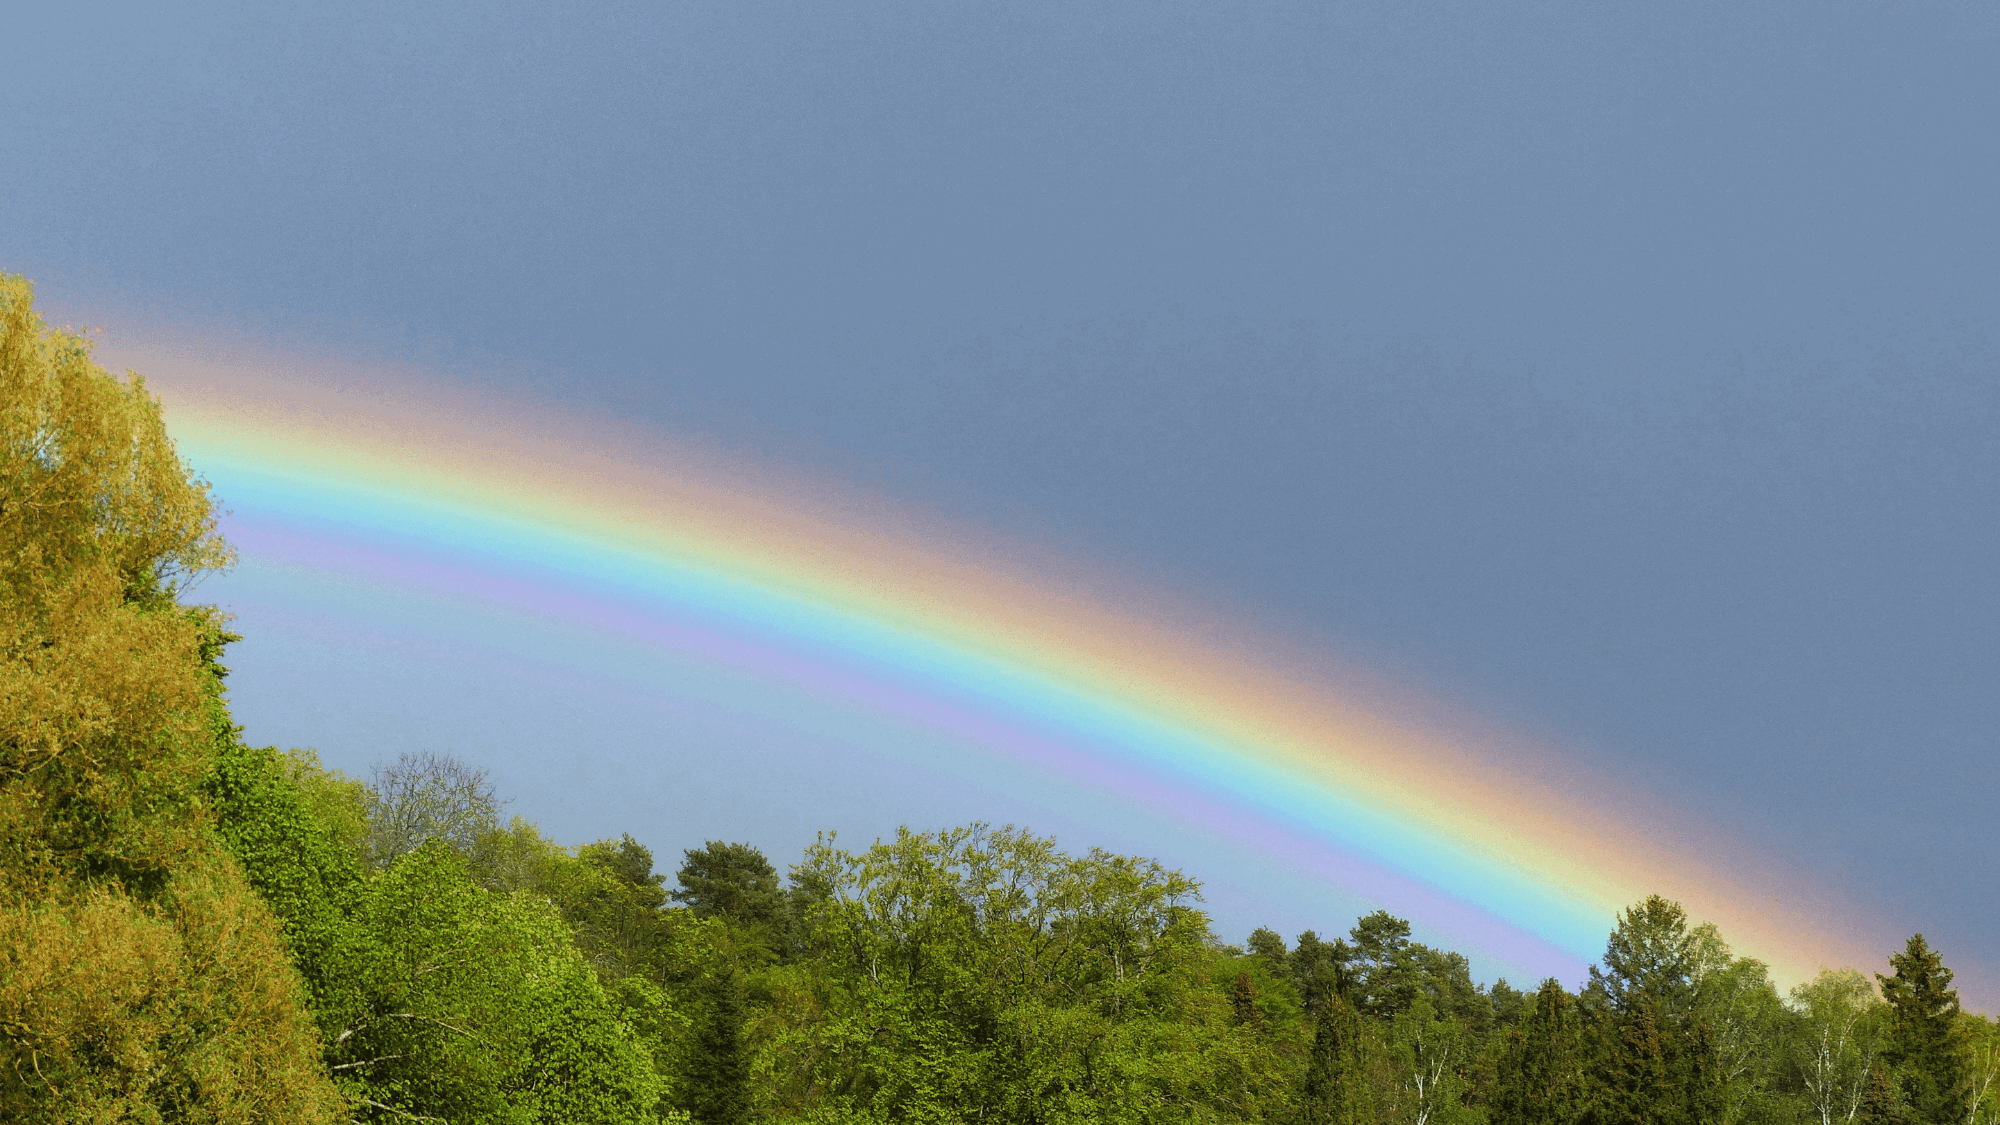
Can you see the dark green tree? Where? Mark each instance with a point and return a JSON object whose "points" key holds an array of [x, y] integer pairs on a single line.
{"points": [[1384, 973], [1319, 969], [733, 882], [1654, 1058], [1926, 1044], [1878, 1098], [1334, 1092], [719, 1072], [1510, 1005], [1243, 1003], [1540, 1080]]}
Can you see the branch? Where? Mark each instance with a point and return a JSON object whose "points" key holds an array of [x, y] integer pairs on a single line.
{"points": [[397, 1112], [369, 1062]]}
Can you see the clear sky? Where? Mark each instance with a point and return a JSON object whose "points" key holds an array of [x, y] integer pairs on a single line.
{"points": [[1628, 374]]}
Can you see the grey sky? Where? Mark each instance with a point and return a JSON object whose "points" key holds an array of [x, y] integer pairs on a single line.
{"points": [[1628, 371]]}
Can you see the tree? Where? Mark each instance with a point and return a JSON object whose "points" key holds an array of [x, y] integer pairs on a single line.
{"points": [[1540, 1077], [1335, 1090], [424, 795], [1748, 1022], [718, 1080], [733, 882], [1243, 1003], [1926, 1045], [1655, 1058], [1838, 1042], [140, 977], [1383, 972], [476, 1006], [1650, 960], [1319, 970], [1431, 1059], [982, 972]]}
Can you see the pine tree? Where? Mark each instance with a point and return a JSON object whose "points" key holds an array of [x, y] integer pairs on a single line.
{"points": [[1926, 1044]]}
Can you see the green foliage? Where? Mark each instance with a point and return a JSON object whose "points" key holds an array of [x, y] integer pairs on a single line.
{"points": [[732, 882], [140, 977], [974, 974], [1927, 1044], [1335, 1090], [719, 1077], [477, 1006], [1837, 1044], [284, 822], [1540, 1077], [196, 930], [1655, 1049]]}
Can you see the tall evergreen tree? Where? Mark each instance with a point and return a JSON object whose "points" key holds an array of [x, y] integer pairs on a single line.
{"points": [[1655, 1059], [1540, 1076], [719, 1077], [1926, 1044], [1243, 1003], [1334, 1091]]}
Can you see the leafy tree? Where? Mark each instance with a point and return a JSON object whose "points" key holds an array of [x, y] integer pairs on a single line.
{"points": [[1926, 1044], [140, 978], [1838, 1042], [981, 973], [292, 827], [476, 1006], [1983, 1040], [1749, 1024], [1432, 1061]]}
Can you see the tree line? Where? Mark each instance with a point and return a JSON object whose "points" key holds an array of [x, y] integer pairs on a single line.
{"points": [[193, 929]]}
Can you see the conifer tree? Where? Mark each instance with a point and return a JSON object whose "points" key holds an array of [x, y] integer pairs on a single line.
{"points": [[1243, 1003], [1333, 1093], [1926, 1044], [1878, 1099], [718, 1081], [1655, 1059], [1540, 1076]]}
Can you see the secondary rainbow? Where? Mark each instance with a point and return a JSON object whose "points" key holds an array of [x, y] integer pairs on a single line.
{"points": [[1041, 661]]}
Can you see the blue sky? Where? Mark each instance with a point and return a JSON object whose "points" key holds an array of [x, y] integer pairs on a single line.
{"points": [[1626, 372]]}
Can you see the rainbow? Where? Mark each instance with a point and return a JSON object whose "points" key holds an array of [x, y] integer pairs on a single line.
{"points": [[1025, 663]]}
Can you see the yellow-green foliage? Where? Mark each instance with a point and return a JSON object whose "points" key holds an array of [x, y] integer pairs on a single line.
{"points": [[139, 977], [182, 1008]]}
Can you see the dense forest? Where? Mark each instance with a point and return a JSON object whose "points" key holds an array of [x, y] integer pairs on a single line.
{"points": [[193, 929]]}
